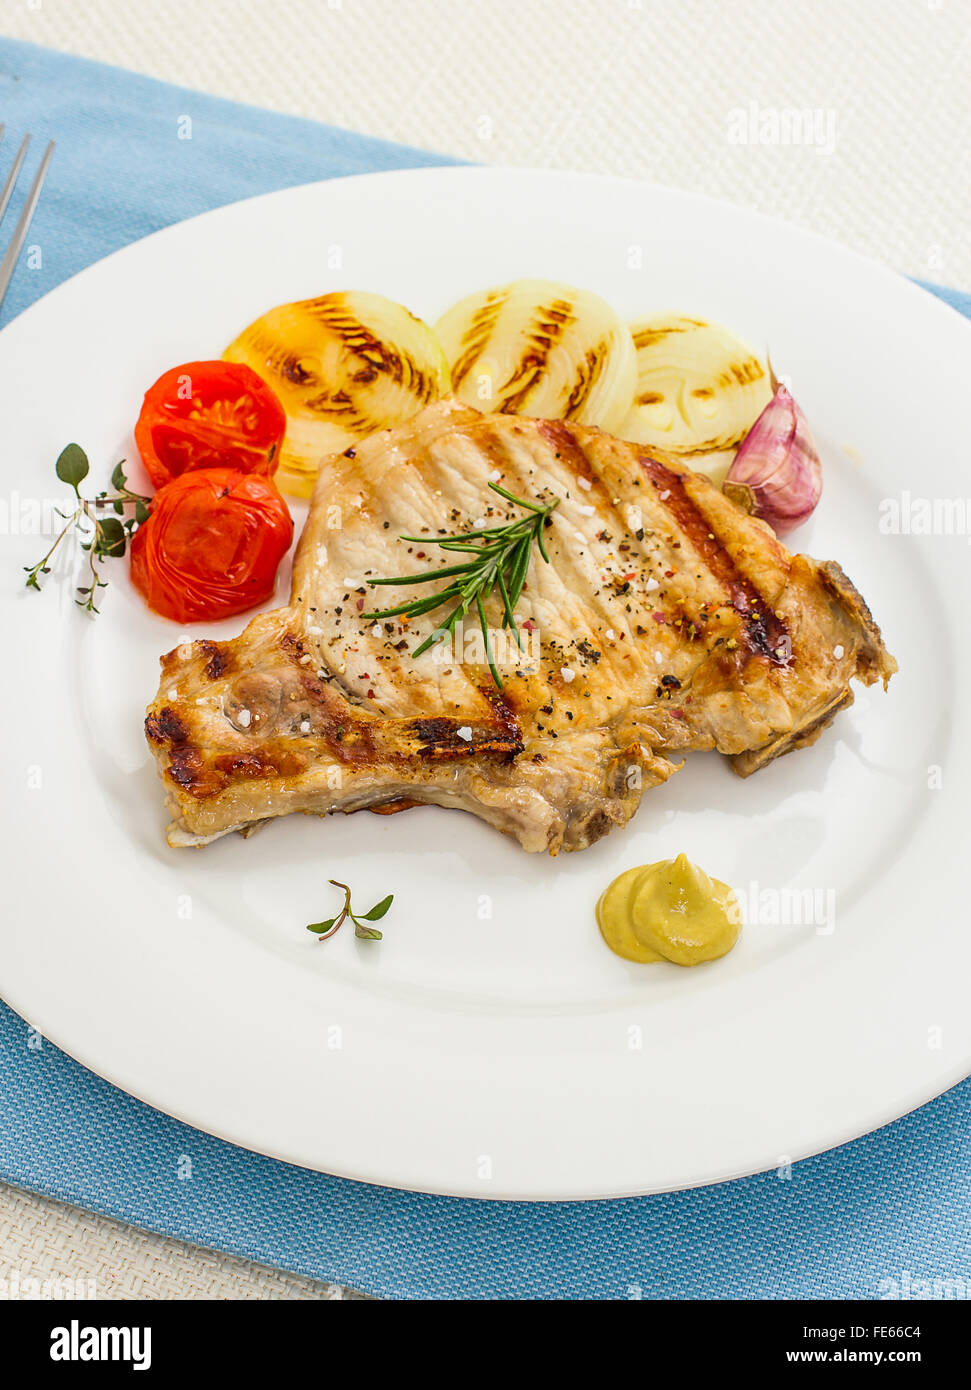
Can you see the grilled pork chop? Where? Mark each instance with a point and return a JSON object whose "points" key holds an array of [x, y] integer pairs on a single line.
{"points": [[666, 620]]}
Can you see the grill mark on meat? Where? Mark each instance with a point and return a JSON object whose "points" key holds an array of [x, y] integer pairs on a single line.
{"points": [[506, 719], [766, 633], [188, 769], [565, 443], [690, 626], [440, 739], [270, 760], [503, 737], [432, 731], [218, 658], [166, 727]]}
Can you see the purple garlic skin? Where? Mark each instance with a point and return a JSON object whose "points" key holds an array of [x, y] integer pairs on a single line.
{"points": [[776, 474]]}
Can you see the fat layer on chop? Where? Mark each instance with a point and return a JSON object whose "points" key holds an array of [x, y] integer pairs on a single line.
{"points": [[666, 620]]}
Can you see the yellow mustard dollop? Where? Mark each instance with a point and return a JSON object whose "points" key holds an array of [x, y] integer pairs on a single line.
{"points": [[670, 911]]}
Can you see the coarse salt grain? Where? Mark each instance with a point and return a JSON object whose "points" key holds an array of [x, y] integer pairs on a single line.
{"points": [[465, 733], [567, 674], [173, 694], [243, 718], [610, 634], [585, 483], [305, 726], [665, 494], [376, 630], [494, 476], [837, 652], [651, 585], [658, 657]]}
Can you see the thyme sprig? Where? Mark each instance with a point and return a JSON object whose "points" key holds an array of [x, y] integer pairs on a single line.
{"points": [[327, 928], [499, 559], [103, 537]]}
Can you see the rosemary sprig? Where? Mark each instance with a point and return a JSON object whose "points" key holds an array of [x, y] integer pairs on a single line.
{"points": [[326, 929], [109, 535], [499, 560]]}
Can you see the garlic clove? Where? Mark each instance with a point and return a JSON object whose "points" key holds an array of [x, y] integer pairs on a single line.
{"points": [[776, 474]]}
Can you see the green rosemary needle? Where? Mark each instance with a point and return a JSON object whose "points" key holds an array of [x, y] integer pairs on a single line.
{"points": [[499, 559]]}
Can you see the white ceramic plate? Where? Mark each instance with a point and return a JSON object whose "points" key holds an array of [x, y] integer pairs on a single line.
{"points": [[491, 1046]]}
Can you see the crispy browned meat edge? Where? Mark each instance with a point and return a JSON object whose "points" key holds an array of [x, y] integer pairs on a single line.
{"points": [[874, 663]]}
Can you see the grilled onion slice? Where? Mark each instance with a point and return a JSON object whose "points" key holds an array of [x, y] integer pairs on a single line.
{"points": [[699, 391], [539, 348], [343, 365]]}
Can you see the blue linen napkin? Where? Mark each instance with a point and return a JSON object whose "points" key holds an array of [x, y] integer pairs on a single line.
{"points": [[874, 1218]]}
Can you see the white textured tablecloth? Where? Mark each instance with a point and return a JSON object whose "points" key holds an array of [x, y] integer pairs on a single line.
{"points": [[658, 89], [851, 119]]}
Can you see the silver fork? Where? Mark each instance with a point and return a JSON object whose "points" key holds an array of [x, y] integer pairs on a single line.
{"points": [[26, 212]]}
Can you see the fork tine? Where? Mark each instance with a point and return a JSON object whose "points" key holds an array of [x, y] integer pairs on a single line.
{"points": [[23, 223], [12, 177]]}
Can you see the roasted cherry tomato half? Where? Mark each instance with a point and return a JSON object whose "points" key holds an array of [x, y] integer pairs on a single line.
{"points": [[211, 545], [209, 415]]}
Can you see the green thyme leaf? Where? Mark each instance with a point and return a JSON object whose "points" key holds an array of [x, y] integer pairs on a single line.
{"points": [[325, 929], [72, 465], [99, 537], [319, 927], [367, 933], [111, 537], [379, 910]]}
